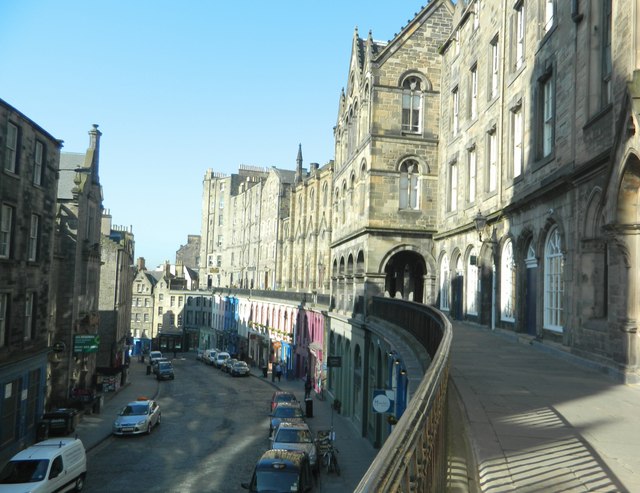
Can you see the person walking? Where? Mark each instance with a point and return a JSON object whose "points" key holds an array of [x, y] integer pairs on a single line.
{"points": [[278, 371]]}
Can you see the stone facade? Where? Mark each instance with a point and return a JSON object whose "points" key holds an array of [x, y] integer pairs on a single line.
{"points": [[116, 283], [142, 302], [77, 270], [189, 254], [554, 102], [29, 158]]}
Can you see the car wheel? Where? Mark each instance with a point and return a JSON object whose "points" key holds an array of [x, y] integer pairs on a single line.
{"points": [[149, 429], [79, 483]]}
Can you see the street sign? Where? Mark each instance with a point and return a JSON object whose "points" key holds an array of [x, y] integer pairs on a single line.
{"points": [[86, 343], [334, 361]]}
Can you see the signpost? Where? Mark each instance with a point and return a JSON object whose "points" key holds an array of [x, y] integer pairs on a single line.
{"points": [[86, 343], [334, 361]]}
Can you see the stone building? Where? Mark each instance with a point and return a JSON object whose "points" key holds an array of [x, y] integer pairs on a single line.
{"points": [[29, 160], [189, 254], [116, 283], [539, 173], [142, 304], [76, 274]]}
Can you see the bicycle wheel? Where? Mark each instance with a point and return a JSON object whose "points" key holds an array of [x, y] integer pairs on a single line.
{"points": [[334, 463]]}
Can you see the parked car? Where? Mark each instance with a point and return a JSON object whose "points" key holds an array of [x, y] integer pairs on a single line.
{"points": [[57, 464], [240, 369], [156, 362], [227, 364], [154, 355], [221, 357], [137, 417], [199, 354], [296, 436], [281, 470], [210, 356], [281, 396], [285, 412], [165, 371]]}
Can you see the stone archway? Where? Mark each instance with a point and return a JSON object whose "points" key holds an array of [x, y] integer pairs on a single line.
{"points": [[404, 276]]}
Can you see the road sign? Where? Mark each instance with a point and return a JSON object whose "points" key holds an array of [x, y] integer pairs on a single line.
{"points": [[334, 361], [86, 343]]}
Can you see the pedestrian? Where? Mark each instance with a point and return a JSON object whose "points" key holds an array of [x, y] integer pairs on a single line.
{"points": [[307, 387], [278, 371]]}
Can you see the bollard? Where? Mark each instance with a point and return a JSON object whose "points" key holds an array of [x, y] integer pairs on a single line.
{"points": [[148, 369]]}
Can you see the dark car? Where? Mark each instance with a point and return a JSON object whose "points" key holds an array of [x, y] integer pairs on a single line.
{"points": [[281, 470], [285, 411], [227, 364], [281, 396], [165, 371], [240, 369]]}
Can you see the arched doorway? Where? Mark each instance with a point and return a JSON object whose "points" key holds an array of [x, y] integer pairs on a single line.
{"points": [[404, 276]]}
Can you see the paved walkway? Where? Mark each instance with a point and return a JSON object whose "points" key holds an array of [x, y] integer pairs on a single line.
{"points": [[355, 453], [542, 420]]}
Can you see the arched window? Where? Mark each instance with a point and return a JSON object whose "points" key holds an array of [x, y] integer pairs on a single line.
{"points": [[361, 187], [553, 281], [472, 283], [507, 283], [409, 185], [411, 104], [445, 283], [325, 194]]}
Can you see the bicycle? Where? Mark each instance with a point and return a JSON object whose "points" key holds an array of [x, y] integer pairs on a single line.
{"points": [[328, 452], [330, 459]]}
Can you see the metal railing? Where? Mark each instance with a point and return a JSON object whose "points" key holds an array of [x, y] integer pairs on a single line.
{"points": [[413, 458]]}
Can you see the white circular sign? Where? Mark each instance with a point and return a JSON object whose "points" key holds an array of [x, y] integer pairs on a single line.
{"points": [[381, 403]]}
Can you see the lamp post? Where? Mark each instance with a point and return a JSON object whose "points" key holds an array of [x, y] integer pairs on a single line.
{"points": [[480, 223]]}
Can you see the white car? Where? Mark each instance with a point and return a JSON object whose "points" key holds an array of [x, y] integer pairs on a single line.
{"points": [[210, 356], [154, 355], [137, 417]]}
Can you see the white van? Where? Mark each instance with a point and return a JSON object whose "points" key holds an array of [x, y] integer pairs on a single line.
{"points": [[221, 357], [57, 464]]}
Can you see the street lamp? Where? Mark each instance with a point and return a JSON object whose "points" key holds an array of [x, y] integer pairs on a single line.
{"points": [[480, 222]]}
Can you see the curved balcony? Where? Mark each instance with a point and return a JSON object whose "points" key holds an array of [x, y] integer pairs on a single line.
{"points": [[413, 458]]}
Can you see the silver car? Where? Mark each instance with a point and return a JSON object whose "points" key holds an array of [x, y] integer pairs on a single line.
{"points": [[137, 417], [296, 436]]}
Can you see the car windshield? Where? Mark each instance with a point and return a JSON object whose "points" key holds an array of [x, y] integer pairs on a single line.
{"points": [[24, 471], [285, 398], [288, 412], [293, 436], [240, 364], [276, 481], [155, 354], [134, 410], [165, 366]]}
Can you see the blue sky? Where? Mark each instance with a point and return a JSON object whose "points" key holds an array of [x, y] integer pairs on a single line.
{"points": [[180, 87]]}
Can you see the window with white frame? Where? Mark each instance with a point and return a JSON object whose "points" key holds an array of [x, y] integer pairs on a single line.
{"points": [[546, 114], [38, 161], [32, 250], [473, 92], [553, 282], [445, 283], [471, 173], [606, 53], [409, 184], [28, 316], [411, 104], [11, 151], [549, 15], [4, 309], [6, 226], [492, 159], [517, 141], [453, 186], [455, 111], [519, 32], [495, 68], [507, 283], [472, 288]]}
